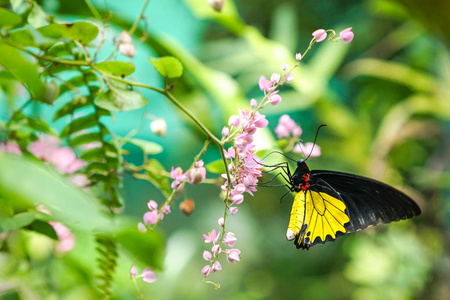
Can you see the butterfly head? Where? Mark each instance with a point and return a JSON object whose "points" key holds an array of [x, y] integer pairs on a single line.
{"points": [[300, 178]]}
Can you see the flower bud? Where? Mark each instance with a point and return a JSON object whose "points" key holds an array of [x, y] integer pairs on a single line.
{"points": [[319, 35], [197, 174], [217, 5], [127, 50], [159, 127], [187, 206]]}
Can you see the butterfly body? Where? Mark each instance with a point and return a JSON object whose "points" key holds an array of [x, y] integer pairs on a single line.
{"points": [[329, 204]]}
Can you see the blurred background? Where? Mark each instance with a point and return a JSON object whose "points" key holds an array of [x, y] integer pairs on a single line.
{"points": [[385, 98]]}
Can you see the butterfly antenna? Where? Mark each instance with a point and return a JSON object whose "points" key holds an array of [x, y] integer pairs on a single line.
{"points": [[278, 153], [315, 139]]}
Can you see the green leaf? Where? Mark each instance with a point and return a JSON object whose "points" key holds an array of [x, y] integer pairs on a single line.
{"points": [[43, 228], [167, 66], [149, 148], [216, 167], [83, 32], [23, 181], [8, 18], [79, 124], [120, 100], [116, 68], [157, 177], [147, 247], [26, 72], [85, 139], [71, 107], [17, 221]]}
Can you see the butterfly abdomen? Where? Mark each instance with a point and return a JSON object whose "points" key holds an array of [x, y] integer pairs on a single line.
{"points": [[297, 216]]}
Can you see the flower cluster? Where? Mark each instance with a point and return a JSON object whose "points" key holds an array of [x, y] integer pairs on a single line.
{"points": [[346, 35], [153, 216], [286, 126], [147, 275], [125, 44]]}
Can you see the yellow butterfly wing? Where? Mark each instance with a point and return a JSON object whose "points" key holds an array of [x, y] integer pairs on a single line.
{"points": [[316, 217]]}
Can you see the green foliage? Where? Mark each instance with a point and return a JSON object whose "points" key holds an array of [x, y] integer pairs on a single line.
{"points": [[167, 66], [82, 32], [118, 100]]}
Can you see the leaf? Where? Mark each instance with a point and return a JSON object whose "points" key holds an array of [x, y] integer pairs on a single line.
{"points": [[17, 221], [43, 228], [167, 66], [71, 107], [216, 167], [147, 247], [116, 68], [149, 148], [8, 18], [120, 100], [24, 71], [157, 177], [24, 181], [79, 124], [85, 139], [83, 32]]}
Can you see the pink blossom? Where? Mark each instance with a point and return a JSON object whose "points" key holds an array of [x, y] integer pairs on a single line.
{"points": [[133, 272], [148, 275], [225, 131], [166, 209], [253, 103], [237, 199], [216, 249], [216, 266], [42, 147], [211, 237], [125, 37], [233, 210], [286, 126], [141, 227], [127, 50], [79, 180], [221, 221], [286, 121], [307, 148], [298, 56], [297, 131], [178, 176], [152, 205], [229, 239], [260, 120], [347, 35], [217, 5], [230, 154], [274, 98], [65, 236], [281, 131], [151, 217], [262, 83], [207, 255], [289, 77], [284, 67], [234, 121], [206, 270], [319, 35], [10, 147], [275, 77], [197, 174], [233, 255]]}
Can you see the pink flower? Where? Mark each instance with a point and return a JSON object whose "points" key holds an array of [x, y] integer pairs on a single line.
{"points": [[125, 37], [42, 147], [65, 236], [178, 176], [229, 239], [307, 148], [233, 210], [216, 249], [319, 35], [166, 209], [298, 56], [217, 5], [133, 272], [216, 266], [234, 121], [274, 98], [225, 131], [221, 221], [151, 217], [159, 127], [148, 275], [152, 205], [284, 67], [211, 237], [207, 255], [10, 147], [237, 199], [127, 50], [79, 180], [206, 270], [275, 77], [141, 227], [347, 35], [230, 154], [289, 77], [286, 126], [197, 174], [253, 103], [233, 255], [262, 83]]}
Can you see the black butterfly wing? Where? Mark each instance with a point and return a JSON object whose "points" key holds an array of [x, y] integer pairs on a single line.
{"points": [[368, 202]]}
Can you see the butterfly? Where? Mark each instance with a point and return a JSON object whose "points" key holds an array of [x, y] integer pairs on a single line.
{"points": [[329, 204]]}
